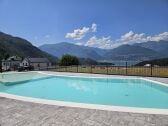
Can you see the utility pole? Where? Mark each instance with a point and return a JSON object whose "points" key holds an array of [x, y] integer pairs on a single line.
{"points": [[107, 68], [0, 64], [126, 65], [91, 69], [151, 69]]}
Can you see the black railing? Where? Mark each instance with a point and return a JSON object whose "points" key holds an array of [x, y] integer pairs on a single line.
{"points": [[125, 68], [0, 64], [153, 71]]}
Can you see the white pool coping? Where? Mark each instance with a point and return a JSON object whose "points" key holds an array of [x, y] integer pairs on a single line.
{"points": [[90, 106], [106, 76]]}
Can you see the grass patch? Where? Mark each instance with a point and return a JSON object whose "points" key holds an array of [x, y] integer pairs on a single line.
{"points": [[139, 71]]}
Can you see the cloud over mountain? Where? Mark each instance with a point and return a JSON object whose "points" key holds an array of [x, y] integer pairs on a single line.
{"points": [[94, 27], [128, 38], [78, 34], [133, 37], [108, 43], [103, 42]]}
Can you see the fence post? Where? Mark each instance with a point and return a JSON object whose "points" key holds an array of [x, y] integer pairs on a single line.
{"points": [[91, 69], [77, 68], [126, 67], [151, 70], [107, 69], [0, 65]]}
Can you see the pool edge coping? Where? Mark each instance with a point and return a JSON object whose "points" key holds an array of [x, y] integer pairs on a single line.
{"points": [[108, 76], [87, 106], [90, 106]]}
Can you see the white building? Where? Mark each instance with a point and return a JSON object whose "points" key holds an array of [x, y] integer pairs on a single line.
{"points": [[36, 63], [147, 65], [12, 63]]}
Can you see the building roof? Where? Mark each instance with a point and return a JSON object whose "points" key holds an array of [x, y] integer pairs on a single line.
{"points": [[12, 59], [38, 60]]}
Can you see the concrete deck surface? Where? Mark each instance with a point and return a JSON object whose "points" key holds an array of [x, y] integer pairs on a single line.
{"points": [[19, 113]]}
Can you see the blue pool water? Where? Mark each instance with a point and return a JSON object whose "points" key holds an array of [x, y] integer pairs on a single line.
{"points": [[104, 91]]}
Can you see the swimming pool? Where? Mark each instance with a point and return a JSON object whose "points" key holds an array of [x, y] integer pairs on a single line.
{"points": [[131, 92]]}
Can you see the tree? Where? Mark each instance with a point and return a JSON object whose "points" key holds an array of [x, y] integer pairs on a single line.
{"points": [[68, 60], [0, 64], [3, 54]]}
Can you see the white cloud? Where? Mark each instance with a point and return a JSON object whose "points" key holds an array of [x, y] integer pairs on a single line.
{"points": [[138, 38], [94, 27], [103, 42], [128, 38], [78, 34], [47, 36], [107, 42], [132, 37], [159, 37], [79, 43]]}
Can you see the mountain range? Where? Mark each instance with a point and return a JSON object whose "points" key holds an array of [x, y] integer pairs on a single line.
{"points": [[10, 45], [139, 51], [62, 48]]}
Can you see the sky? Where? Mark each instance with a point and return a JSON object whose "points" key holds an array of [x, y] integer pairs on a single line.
{"points": [[95, 23]]}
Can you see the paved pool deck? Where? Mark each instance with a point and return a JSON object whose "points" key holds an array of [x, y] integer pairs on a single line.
{"points": [[20, 113]]}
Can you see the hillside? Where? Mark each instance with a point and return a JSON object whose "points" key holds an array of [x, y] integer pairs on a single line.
{"points": [[10, 45], [139, 51], [131, 52], [161, 46], [62, 48], [159, 62]]}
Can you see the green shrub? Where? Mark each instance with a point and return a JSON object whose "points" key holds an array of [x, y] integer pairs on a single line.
{"points": [[68, 60]]}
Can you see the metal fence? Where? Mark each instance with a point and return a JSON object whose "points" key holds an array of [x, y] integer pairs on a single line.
{"points": [[131, 70], [122, 68]]}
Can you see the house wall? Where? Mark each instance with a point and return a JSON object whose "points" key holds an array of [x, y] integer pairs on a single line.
{"points": [[24, 63], [36, 65], [6, 65], [41, 65]]}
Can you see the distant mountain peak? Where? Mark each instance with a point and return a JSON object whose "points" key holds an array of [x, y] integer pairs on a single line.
{"points": [[123, 52], [62, 48], [139, 51]]}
